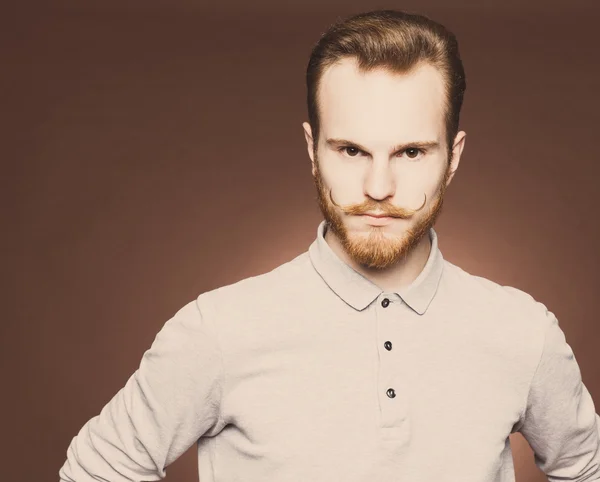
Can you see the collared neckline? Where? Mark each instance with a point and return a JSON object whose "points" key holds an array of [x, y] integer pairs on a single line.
{"points": [[358, 291]]}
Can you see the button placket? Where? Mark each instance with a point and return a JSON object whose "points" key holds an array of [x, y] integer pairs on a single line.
{"points": [[390, 387]]}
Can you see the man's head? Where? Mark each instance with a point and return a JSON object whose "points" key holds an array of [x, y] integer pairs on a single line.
{"points": [[384, 95]]}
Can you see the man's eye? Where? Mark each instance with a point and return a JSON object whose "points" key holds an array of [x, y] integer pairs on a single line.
{"points": [[413, 152], [350, 150]]}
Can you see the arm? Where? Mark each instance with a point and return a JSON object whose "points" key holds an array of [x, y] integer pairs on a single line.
{"points": [[559, 421], [169, 402]]}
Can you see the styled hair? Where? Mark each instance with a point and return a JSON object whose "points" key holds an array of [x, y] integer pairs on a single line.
{"points": [[397, 42]]}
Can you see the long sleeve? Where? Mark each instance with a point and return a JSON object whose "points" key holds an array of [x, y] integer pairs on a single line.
{"points": [[167, 404], [560, 422]]}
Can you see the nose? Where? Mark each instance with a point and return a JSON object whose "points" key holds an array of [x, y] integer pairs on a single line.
{"points": [[379, 182]]}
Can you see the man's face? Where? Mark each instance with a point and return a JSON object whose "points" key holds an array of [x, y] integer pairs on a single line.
{"points": [[382, 150]]}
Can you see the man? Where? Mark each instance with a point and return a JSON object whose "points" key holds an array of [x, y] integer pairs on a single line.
{"points": [[368, 357]]}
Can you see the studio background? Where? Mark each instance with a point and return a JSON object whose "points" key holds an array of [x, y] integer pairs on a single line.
{"points": [[153, 150]]}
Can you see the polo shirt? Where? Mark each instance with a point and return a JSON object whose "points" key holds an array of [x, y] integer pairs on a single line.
{"points": [[311, 372]]}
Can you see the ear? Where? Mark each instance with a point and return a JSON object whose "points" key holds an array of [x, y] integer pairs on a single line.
{"points": [[309, 144], [457, 149]]}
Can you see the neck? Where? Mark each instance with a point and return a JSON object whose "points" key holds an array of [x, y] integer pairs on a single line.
{"points": [[394, 278]]}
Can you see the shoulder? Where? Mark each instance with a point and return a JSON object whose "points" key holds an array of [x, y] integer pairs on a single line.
{"points": [[276, 285], [508, 301]]}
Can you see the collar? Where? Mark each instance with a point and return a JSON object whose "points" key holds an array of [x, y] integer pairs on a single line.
{"points": [[358, 291]]}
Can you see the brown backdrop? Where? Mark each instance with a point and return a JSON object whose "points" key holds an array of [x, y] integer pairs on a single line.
{"points": [[154, 150]]}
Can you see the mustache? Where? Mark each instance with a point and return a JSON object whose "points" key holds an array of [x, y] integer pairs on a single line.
{"points": [[385, 209]]}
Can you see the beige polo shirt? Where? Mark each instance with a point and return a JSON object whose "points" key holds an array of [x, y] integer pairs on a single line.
{"points": [[311, 373]]}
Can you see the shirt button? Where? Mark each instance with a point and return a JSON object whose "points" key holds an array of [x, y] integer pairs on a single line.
{"points": [[391, 393], [388, 345], [385, 302]]}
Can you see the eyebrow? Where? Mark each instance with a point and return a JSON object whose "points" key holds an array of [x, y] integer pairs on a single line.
{"points": [[400, 147]]}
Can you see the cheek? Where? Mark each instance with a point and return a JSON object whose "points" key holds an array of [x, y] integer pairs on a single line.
{"points": [[425, 180], [342, 179], [344, 194], [414, 181]]}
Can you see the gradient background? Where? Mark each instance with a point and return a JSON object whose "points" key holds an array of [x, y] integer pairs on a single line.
{"points": [[153, 150]]}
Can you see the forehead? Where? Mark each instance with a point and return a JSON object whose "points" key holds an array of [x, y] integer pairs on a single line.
{"points": [[380, 106]]}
